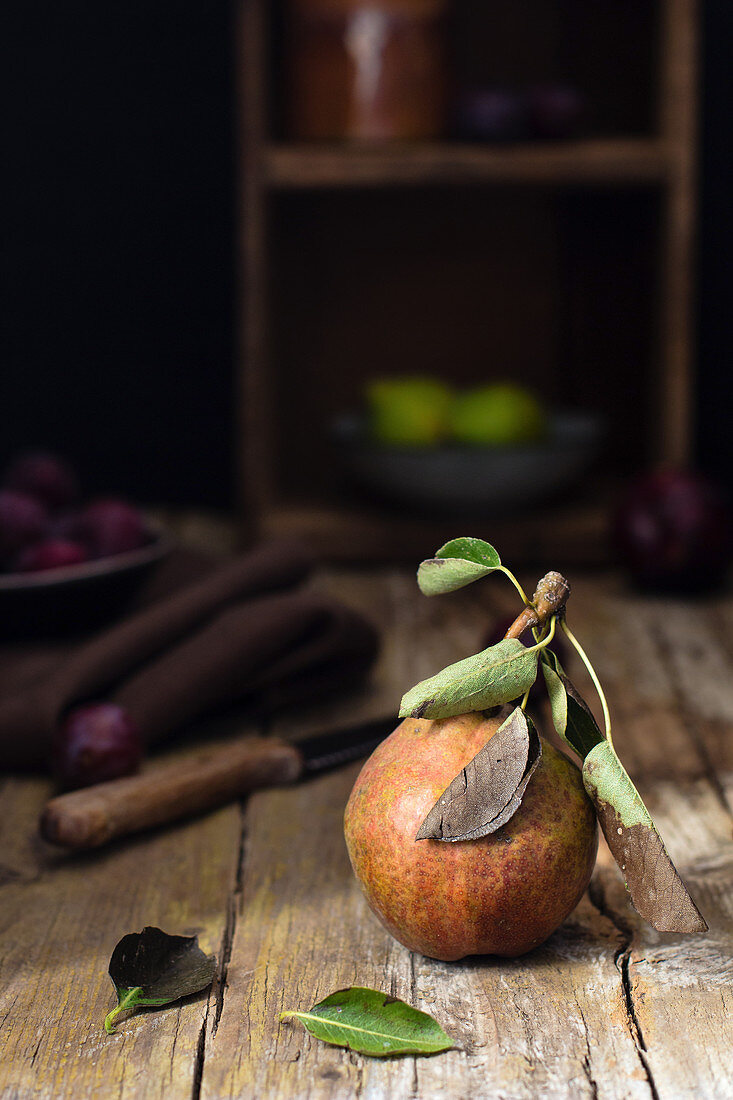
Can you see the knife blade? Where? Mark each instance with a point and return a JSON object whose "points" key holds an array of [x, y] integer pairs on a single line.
{"points": [[169, 791]]}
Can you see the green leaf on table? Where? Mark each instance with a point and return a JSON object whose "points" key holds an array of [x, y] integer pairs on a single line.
{"points": [[489, 790], [152, 968], [657, 891], [458, 563], [571, 715], [372, 1023], [496, 675]]}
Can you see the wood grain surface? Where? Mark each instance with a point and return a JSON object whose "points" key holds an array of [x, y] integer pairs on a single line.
{"points": [[607, 1008]]}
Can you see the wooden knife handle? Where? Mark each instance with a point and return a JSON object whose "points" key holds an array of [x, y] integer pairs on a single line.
{"points": [[93, 816]]}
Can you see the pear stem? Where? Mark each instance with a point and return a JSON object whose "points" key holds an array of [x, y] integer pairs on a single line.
{"points": [[128, 1001], [549, 599], [515, 582]]}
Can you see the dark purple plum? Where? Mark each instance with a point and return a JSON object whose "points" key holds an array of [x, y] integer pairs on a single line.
{"points": [[555, 111], [672, 530], [109, 526], [50, 554], [94, 743], [491, 114], [65, 525], [44, 476], [22, 521]]}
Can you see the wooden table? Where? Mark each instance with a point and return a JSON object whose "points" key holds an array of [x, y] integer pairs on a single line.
{"points": [[607, 1008]]}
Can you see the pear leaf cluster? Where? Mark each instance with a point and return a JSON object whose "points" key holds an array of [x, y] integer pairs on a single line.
{"points": [[487, 792], [372, 1023]]}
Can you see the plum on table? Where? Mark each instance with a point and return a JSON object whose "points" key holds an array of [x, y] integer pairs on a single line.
{"points": [[672, 530], [96, 742]]}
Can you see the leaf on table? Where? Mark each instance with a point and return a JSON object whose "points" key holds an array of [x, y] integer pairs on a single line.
{"points": [[458, 563], [657, 891], [489, 790], [571, 715], [153, 968], [372, 1023], [495, 676]]}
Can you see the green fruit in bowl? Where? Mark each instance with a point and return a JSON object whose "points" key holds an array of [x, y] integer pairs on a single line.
{"points": [[408, 412], [497, 415]]}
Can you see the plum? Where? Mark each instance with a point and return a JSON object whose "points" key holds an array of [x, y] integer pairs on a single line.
{"points": [[65, 525], [22, 521], [672, 530], [96, 742], [491, 114], [555, 111], [109, 526], [44, 476], [51, 554]]}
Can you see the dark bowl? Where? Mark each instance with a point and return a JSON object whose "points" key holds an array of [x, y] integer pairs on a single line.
{"points": [[75, 598], [453, 479]]}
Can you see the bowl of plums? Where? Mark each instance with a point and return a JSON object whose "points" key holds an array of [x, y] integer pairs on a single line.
{"points": [[66, 561]]}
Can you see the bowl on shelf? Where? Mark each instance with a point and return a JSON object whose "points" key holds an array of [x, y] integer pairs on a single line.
{"points": [[453, 479], [77, 597]]}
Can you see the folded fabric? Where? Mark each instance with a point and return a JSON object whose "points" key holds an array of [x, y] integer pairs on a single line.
{"points": [[240, 632]]}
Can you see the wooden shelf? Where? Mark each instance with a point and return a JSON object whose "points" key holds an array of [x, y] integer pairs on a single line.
{"points": [[350, 272], [611, 161], [573, 535]]}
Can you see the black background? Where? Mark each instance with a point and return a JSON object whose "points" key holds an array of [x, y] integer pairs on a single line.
{"points": [[118, 257]]}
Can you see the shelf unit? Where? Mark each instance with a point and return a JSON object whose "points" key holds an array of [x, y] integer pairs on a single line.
{"points": [[277, 177]]}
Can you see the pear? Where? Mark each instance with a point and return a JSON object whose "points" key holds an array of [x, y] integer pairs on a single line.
{"points": [[503, 894]]}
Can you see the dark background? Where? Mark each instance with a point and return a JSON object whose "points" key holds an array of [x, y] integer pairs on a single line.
{"points": [[118, 261]]}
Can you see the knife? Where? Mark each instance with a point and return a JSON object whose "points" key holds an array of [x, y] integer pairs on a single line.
{"points": [[93, 816]]}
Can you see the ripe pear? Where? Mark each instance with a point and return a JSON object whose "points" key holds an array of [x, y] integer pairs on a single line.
{"points": [[498, 415], [408, 412], [503, 894]]}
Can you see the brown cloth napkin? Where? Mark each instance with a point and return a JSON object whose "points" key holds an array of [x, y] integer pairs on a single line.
{"points": [[206, 637]]}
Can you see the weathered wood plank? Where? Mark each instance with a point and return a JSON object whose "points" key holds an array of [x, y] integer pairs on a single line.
{"points": [[60, 918], [669, 687], [678, 988], [527, 1027], [607, 1008]]}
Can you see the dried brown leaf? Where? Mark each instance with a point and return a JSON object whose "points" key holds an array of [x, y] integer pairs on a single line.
{"points": [[489, 790]]}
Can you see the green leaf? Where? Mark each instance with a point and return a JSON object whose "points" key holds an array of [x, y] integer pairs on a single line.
{"points": [[153, 968], [372, 1023], [657, 891], [458, 563], [496, 675], [488, 792], [571, 715]]}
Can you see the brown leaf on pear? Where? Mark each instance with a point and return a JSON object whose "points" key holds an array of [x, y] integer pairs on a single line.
{"points": [[657, 891], [488, 791]]}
